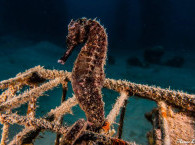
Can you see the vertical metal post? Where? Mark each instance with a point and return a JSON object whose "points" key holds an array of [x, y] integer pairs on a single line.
{"points": [[32, 104], [121, 122], [60, 120]]}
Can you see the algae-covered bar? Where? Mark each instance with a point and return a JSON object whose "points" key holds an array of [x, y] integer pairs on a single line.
{"points": [[172, 121]]}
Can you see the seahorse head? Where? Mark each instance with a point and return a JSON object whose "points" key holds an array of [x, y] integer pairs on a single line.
{"points": [[77, 33]]}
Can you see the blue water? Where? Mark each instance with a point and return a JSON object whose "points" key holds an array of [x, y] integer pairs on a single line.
{"points": [[33, 33]]}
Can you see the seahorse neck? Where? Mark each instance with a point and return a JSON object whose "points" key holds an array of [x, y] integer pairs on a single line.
{"points": [[97, 38]]}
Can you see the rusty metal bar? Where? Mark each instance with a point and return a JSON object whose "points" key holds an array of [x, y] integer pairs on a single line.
{"points": [[121, 122], [60, 119]]}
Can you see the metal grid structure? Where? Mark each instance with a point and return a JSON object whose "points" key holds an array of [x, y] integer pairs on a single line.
{"points": [[172, 121]]}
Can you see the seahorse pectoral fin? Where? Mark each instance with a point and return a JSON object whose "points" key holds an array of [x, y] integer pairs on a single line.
{"points": [[106, 127], [63, 59]]}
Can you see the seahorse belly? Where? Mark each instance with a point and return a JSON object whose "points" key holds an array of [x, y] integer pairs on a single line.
{"points": [[87, 82]]}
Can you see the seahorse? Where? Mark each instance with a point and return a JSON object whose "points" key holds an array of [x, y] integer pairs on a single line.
{"points": [[88, 71]]}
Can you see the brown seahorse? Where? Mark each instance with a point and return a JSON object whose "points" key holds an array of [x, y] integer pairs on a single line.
{"points": [[88, 71]]}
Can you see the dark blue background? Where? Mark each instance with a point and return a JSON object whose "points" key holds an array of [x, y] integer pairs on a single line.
{"points": [[138, 23]]}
